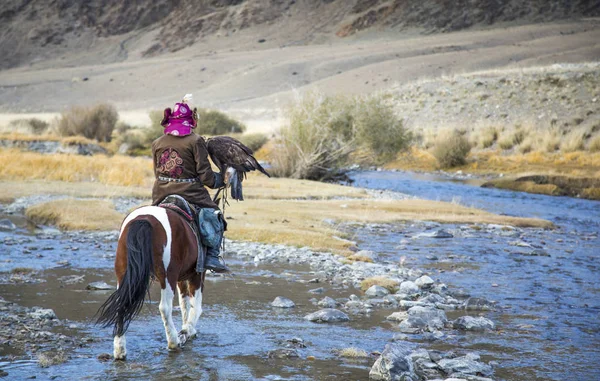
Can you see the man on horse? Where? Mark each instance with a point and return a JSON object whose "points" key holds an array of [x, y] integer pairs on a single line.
{"points": [[181, 167]]}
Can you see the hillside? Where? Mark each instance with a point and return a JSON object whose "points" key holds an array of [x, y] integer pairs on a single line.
{"points": [[69, 32]]}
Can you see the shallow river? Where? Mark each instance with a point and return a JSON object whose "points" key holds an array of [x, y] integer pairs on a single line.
{"points": [[547, 316], [546, 283]]}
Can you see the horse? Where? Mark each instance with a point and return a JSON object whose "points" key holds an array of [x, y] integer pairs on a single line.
{"points": [[155, 242]]}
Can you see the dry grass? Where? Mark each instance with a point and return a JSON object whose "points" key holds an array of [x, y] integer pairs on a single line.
{"points": [[488, 137], [594, 144], [47, 359], [451, 149], [352, 352], [115, 170], [280, 221], [390, 284], [74, 214], [575, 141], [14, 189]]}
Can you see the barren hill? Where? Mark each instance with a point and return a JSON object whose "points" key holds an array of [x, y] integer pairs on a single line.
{"points": [[76, 32]]}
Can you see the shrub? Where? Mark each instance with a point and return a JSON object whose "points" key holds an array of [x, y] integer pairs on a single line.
{"points": [[594, 145], [324, 130], [254, 141], [97, 122], [318, 139], [379, 128], [451, 149], [213, 122], [575, 141], [34, 125], [489, 137], [122, 128], [155, 130]]}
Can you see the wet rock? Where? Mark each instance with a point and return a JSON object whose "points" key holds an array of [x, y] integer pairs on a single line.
{"points": [[104, 357], [366, 254], [478, 304], [376, 291], [327, 302], [283, 302], [327, 315], [43, 314], [319, 290], [99, 286], [3, 373], [408, 287], [71, 279], [283, 353], [394, 363], [398, 316], [466, 365], [7, 225], [424, 282], [470, 323], [423, 319], [441, 233], [295, 342]]}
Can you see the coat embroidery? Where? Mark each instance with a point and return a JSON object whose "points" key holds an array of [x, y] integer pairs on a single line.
{"points": [[170, 163]]}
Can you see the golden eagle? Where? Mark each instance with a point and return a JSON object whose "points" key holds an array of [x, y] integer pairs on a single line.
{"points": [[234, 160]]}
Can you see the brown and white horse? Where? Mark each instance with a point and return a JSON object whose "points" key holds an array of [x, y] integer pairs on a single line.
{"points": [[159, 242]]}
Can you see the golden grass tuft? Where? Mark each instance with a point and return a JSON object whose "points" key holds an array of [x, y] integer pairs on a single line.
{"points": [[390, 284], [352, 352], [115, 170], [594, 144], [359, 258], [47, 359], [73, 214], [575, 141]]}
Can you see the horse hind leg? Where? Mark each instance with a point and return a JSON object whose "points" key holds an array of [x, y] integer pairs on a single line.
{"points": [[166, 312], [195, 289], [184, 304]]}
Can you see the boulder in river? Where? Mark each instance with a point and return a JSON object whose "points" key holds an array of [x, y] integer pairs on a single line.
{"points": [[470, 323], [327, 302], [424, 282], [394, 363], [409, 288], [283, 353], [7, 225], [99, 286], [376, 291], [327, 315], [423, 319], [43, 314], [441, 233], [283, 302], [465, 365], [478, 304]]}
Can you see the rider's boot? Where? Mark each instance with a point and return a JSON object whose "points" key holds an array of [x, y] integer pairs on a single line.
{"points": [[212, 261]]}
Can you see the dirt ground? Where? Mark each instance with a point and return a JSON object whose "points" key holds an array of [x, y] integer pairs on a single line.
{"points": [[254, 83]]}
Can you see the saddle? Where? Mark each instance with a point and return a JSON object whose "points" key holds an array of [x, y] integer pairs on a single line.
{"points": [[186, 210]]}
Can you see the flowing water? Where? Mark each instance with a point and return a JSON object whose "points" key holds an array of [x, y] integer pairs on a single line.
{"points": [[546, 282], [547, 316]]}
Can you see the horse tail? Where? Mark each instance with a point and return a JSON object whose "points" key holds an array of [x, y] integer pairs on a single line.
{"points": [[125, 304]]}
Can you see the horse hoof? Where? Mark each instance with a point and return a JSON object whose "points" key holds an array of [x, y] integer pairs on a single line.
{"points": [[121, 358], [183, 338]]}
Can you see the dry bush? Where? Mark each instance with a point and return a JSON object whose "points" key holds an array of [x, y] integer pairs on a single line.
{"points": [[253, 141], [318, 139], [379, 128], [526, 146], [488, 137], [594, 145], [74, 214], [575, 141], [550, 142], [324, 130], [506, 143], [390, 284], [451, 149], [97, 122], [214, 122]]}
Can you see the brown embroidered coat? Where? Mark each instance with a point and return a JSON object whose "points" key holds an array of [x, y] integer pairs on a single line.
{"points": [[182, 157]]}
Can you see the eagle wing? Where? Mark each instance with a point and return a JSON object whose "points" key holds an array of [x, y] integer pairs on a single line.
{"points": [[227, 152]]}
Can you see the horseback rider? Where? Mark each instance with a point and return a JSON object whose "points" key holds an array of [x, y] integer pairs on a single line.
{"points": [[181, 167]]}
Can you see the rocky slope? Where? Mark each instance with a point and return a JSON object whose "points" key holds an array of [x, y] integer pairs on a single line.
{"points": [[95, 31]]}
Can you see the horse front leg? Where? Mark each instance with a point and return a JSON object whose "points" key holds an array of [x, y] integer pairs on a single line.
{"points": [[166, 312]]}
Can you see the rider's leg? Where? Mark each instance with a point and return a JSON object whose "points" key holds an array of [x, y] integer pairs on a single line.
{"points": [[212, 261]]}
